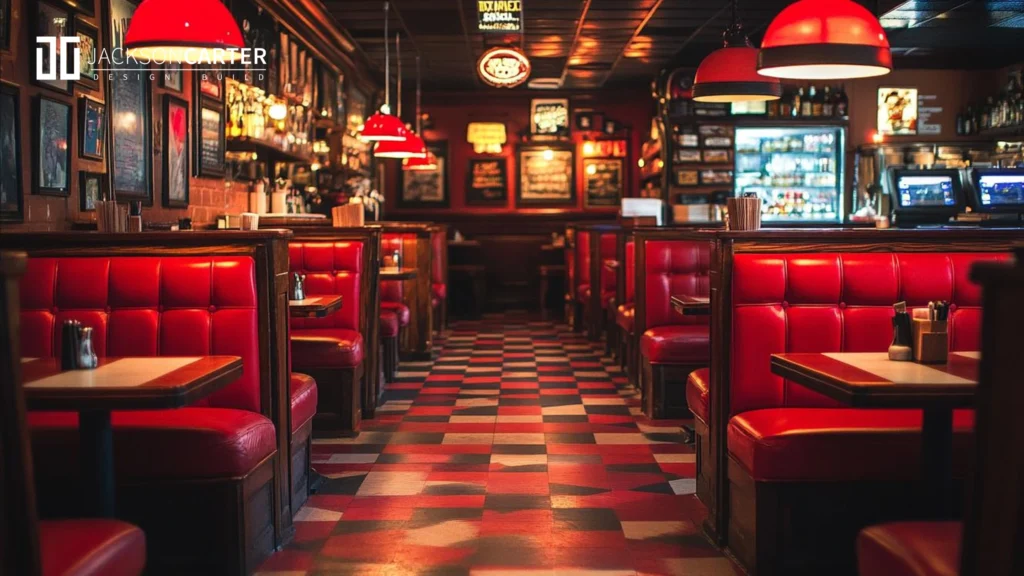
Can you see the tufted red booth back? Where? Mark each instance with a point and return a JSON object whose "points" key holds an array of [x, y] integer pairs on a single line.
{"points": [[391, 290], [330, 268], [437, 247], [630, 264], [608, 252], [674, 268], [832, 302], [583, 257], [149, 306]]}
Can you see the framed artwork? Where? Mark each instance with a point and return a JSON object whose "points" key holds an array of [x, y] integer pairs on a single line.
{"points": [[716, 156], [487, 181], [686, 177], [547, 175], [688, 140], [426, 188], [172, 79], [549, 116], [52, 158], [897, 111], [610, 126], [92, 128], [50, 20], [90, 189], [715, 177], [12, 204], [687, 155], [585, 121], [209, 83], [176, 151], [210, 146], [718, 141], [88, 45], [602, 181], [5, 25], [129, 163]]}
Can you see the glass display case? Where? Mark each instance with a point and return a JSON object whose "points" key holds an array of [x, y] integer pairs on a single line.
{"points": [[796, 171]]}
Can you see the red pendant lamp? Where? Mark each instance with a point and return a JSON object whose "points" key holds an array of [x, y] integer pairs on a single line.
{"points": [[429, 160], [729, 74], [824, 40], [193, 31], [382, 126], [412, 146]]}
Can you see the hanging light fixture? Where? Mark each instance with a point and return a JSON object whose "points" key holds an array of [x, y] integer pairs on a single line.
{"points": [[729, 74], [382, 126], [824, 40], [193, 31], [413, 146], [429, 160]]}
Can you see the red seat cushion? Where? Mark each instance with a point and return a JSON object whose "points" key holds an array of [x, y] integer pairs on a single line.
{"points": [[910, 549], [326, 348], [697, 386], [388, 324], [398, 308], [624, 316], [187, 443], [678, 344], [304, 396], [440, 291], [91, 548], [583, 292], [835, 444]]}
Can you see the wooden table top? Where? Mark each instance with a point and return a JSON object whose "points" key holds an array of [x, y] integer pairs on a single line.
{"points": [[314, 306], [552, 246], [393, 273], [691, 305], [871, 380], [463, 243], [129, 383]]}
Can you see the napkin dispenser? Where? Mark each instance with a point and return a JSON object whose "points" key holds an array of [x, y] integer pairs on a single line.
{"points": [[930, 337]]}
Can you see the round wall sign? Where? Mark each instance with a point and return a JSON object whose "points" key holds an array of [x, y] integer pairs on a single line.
{"points": [[503, 67]]}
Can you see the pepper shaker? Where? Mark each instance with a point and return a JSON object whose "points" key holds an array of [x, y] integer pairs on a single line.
{"points": [[86, 354]]}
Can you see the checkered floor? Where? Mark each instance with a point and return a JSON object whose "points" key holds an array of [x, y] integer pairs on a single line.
{"points": [[520, 450]]}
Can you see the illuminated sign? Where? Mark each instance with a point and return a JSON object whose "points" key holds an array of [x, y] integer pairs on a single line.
{"points": [[503, 67], [499, 15], [549, 116], [486, 137]]}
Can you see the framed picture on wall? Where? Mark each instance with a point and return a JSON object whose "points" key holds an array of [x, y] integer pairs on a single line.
{"points": [[897, 111], [602, 181], [487, 182], [172, 78], [176, 150], [129, 163], [52, 153], [549, 116], [210, 146], [547, 175], [90, 189], [426, 188], [12, 204], [92, 128], [54, 21], [209, 83], [88, 43]]}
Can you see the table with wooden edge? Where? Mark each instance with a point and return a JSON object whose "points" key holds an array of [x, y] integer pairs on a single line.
{"points": [[547, 247], [691, 305], [314, 306], [136, 383], [393, 273], [871, 380]]}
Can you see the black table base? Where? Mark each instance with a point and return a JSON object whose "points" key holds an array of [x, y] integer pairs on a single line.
{"points": [[96, 459], [937, 461]]}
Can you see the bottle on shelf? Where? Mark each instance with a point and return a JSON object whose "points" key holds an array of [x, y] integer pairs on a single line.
{"points": [[786, 103], [827, 102], [817, 102], [798, 98], [806, 107], [842, 105]]}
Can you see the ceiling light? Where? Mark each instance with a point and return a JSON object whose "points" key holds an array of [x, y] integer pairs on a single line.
{"points": [[729, 74], [427, 163], [412, 147], [824, 40], [192, 31], [382, 126]]}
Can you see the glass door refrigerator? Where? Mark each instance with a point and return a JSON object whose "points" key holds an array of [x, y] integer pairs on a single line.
{"points": [[797, 172]]}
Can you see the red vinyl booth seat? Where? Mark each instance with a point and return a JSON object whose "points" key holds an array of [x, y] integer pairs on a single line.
{"points": [[154, 306], [399, 310], [388, 324], [326, 348], [910, 549], [91, 548], [826, 302], [438, 289], [303, 399], [697, 393], [673, 268], [583, 264], [392, 292]]}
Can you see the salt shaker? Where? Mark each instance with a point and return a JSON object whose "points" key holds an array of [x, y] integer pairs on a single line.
{"points": [[397, 259], [86, 354], [299, 288]]}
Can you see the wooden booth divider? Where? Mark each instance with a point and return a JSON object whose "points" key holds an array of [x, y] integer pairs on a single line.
{"points": [[416, 340]]}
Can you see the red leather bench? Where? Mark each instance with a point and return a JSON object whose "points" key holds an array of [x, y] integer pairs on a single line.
{"points": [[394, 311], [910, 549], [601, 245], [625, 310], [671, 345], [175, 466], [336, 350], [439, 275], [794, 455]]}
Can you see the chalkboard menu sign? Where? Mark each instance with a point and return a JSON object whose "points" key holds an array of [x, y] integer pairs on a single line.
{"points": [[209, 159], [546, 175], [499, 15], [602, 181], [487, 181], [131, 148], [549, 116]]}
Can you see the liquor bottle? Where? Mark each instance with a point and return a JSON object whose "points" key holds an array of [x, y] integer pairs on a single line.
{"points": [[828, 103], [806, 108], [842, 109], [773, 108], [986, 115], [786, 103], [798, 97], [817, 102], [960, 124]]}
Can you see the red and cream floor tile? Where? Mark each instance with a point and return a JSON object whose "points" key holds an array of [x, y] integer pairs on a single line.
{"points": [[519, 451]]}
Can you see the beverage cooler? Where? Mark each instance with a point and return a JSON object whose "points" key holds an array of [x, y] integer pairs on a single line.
{"points": [[797, 172]]}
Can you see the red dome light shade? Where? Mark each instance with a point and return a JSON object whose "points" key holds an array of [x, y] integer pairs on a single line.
{"points": [[730, 75], [192, 31], [383, 127], [412, 147], [824, 40], [428, 162]]}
